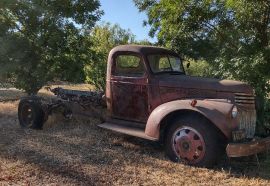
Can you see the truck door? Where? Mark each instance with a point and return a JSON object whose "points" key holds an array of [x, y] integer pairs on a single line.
{"points": [[129, 88]]}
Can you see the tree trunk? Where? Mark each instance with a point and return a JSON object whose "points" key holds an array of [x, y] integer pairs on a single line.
{"points": [[260, 109]]}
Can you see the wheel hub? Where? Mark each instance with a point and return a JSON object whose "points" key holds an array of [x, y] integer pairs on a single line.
{"points": [[188, 145], [185, 145]]}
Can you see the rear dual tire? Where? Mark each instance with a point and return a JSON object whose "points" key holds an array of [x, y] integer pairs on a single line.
{"points": [[31, 114]]}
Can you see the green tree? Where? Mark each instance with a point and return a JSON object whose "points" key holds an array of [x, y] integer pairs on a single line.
{"points": [[104, 38], [232, 35], [42, 40], [144, 42], [199, 68]]}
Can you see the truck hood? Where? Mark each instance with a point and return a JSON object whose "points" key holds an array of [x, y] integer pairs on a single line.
{"points": [[191, 82]]}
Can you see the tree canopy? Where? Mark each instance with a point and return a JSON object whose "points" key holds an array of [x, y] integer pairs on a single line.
{"points": [[104, 37], [42, 40]]}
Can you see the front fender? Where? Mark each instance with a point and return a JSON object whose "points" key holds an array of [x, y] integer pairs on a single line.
{"points": [[217, 111]]}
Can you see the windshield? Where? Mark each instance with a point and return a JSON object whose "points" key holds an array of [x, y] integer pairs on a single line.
{"points": [[165, 64]]}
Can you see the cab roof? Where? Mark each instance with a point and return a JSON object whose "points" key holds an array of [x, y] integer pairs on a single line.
{"points": [[142, 49]]}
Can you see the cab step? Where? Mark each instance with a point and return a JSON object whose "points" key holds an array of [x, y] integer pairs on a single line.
{"points": [[132, 131]]}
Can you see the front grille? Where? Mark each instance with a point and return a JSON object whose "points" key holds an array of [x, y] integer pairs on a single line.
{"points": [[247, 121], [246, 113]]}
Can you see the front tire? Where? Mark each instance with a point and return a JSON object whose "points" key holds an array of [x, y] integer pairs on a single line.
{"points": [[193, 141], [30, 114]]}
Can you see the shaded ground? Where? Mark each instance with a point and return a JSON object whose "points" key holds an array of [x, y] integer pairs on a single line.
{"points": [[10, 94], [77, 152]]}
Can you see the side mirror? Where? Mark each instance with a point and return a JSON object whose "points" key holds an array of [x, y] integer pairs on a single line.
{"points": [[188, 64]]}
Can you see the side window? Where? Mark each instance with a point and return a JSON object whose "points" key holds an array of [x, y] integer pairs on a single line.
{"points": [[128, 65]]}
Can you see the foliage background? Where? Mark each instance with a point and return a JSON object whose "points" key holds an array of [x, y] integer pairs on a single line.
{"points": [[41, 41]]}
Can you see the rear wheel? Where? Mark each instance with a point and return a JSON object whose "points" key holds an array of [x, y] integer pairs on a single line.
{"points": [[193, 142], [30, 114]]}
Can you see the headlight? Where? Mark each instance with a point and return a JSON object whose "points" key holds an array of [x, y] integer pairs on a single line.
{"points": [[234, 112]]}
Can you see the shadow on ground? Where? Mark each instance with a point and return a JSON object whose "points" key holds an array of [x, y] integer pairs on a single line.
{"points": [[10, 94]]}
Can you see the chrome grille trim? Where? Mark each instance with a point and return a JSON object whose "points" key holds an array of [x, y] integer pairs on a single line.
{"points": [[246, 113], [248, 99], [245, 99], [243, 94]]}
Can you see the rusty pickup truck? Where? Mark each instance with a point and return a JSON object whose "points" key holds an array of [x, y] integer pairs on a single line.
{"points": [[149, 95]]}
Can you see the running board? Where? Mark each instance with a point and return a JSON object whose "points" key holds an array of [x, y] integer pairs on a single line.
{"points": [[137, 132]]}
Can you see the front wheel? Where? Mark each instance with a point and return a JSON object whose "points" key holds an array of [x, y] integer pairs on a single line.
{"points": [[193, 142]]}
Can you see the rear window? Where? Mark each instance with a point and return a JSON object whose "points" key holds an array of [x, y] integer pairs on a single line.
{"points": [[128, 65]]}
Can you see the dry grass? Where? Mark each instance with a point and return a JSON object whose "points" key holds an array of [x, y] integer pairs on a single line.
{"points": [[77, 152], [12, 94]]}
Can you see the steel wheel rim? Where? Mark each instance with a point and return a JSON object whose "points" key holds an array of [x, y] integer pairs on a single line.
{"points": [[27, 115], [188, 145]]}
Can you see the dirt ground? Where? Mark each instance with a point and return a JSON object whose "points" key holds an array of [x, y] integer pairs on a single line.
{"points": [[77, 152]]}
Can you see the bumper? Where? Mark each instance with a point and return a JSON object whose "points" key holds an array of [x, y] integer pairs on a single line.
{"points": [[248, 148]]}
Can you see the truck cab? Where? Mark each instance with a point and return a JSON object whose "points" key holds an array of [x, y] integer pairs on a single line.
{"points": [[149, 95], [132, 89]]}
